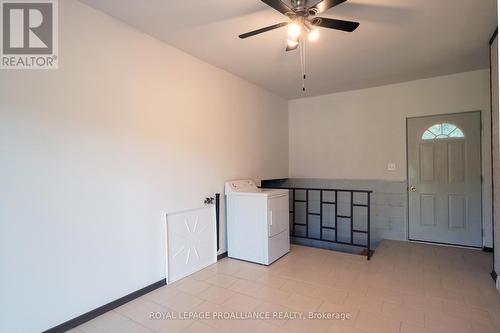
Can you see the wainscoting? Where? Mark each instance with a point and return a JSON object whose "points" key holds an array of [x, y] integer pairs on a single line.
{"points": [[388, 202]]}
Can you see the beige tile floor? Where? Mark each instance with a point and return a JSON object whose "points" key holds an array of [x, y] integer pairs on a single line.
{"points": [[406, 287]]}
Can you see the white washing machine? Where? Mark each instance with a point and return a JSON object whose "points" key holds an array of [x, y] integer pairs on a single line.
{"points": [[257, 222]]}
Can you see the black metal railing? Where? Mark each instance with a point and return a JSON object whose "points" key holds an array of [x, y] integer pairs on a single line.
{"points": [[333, 227]]}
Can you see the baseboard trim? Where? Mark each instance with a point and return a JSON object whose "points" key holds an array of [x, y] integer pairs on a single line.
{"points": [[72, 323], [222, 256], [487, 249], [82, 319]]}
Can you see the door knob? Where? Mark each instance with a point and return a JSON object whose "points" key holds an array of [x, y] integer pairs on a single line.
{"points": [[413, 189]]}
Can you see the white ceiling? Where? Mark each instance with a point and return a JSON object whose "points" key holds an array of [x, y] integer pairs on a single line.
{"points": [[398, 40]]}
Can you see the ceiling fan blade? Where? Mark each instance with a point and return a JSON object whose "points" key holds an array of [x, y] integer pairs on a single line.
{"points": [[259, 31], [279, 6], [291, 48], [326, 4], [335, 24]]}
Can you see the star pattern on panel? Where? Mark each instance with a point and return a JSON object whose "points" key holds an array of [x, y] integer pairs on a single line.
{"points": [[191, 237]]}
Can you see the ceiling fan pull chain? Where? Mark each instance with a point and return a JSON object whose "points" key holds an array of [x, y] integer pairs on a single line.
{"points": [[303, 63]]}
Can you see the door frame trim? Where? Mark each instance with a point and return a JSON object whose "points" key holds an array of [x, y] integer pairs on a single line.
{"points": [[492, 40], [408, 179]]}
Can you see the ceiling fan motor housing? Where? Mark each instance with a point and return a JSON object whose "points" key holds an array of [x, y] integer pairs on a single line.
{"points": [[299, 3], [300, 8]]}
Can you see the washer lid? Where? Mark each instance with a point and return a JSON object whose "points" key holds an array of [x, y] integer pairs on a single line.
{"points": [[241, 186], [248, 187]]}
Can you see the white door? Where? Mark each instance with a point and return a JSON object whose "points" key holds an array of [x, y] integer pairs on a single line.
{"points": [[444, 179]]}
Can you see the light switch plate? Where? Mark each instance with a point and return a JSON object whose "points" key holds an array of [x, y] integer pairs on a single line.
{"points": [[391, 166]]}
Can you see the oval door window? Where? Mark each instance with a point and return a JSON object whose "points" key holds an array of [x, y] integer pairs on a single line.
{"points": [[442, 131]]}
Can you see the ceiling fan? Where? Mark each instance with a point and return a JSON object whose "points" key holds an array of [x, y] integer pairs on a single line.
{"points": [[304, 21]]}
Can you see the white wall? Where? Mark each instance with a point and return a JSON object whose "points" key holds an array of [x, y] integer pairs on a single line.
{"points": [[93, 156], [355, 134]]}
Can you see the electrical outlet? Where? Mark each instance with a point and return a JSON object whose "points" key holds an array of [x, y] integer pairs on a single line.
{"points": [[391, 166]]}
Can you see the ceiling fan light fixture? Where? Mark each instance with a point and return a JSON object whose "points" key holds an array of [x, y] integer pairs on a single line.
{"points": [[313, 11], [294, 30], [292, 42], [313, 35]]}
